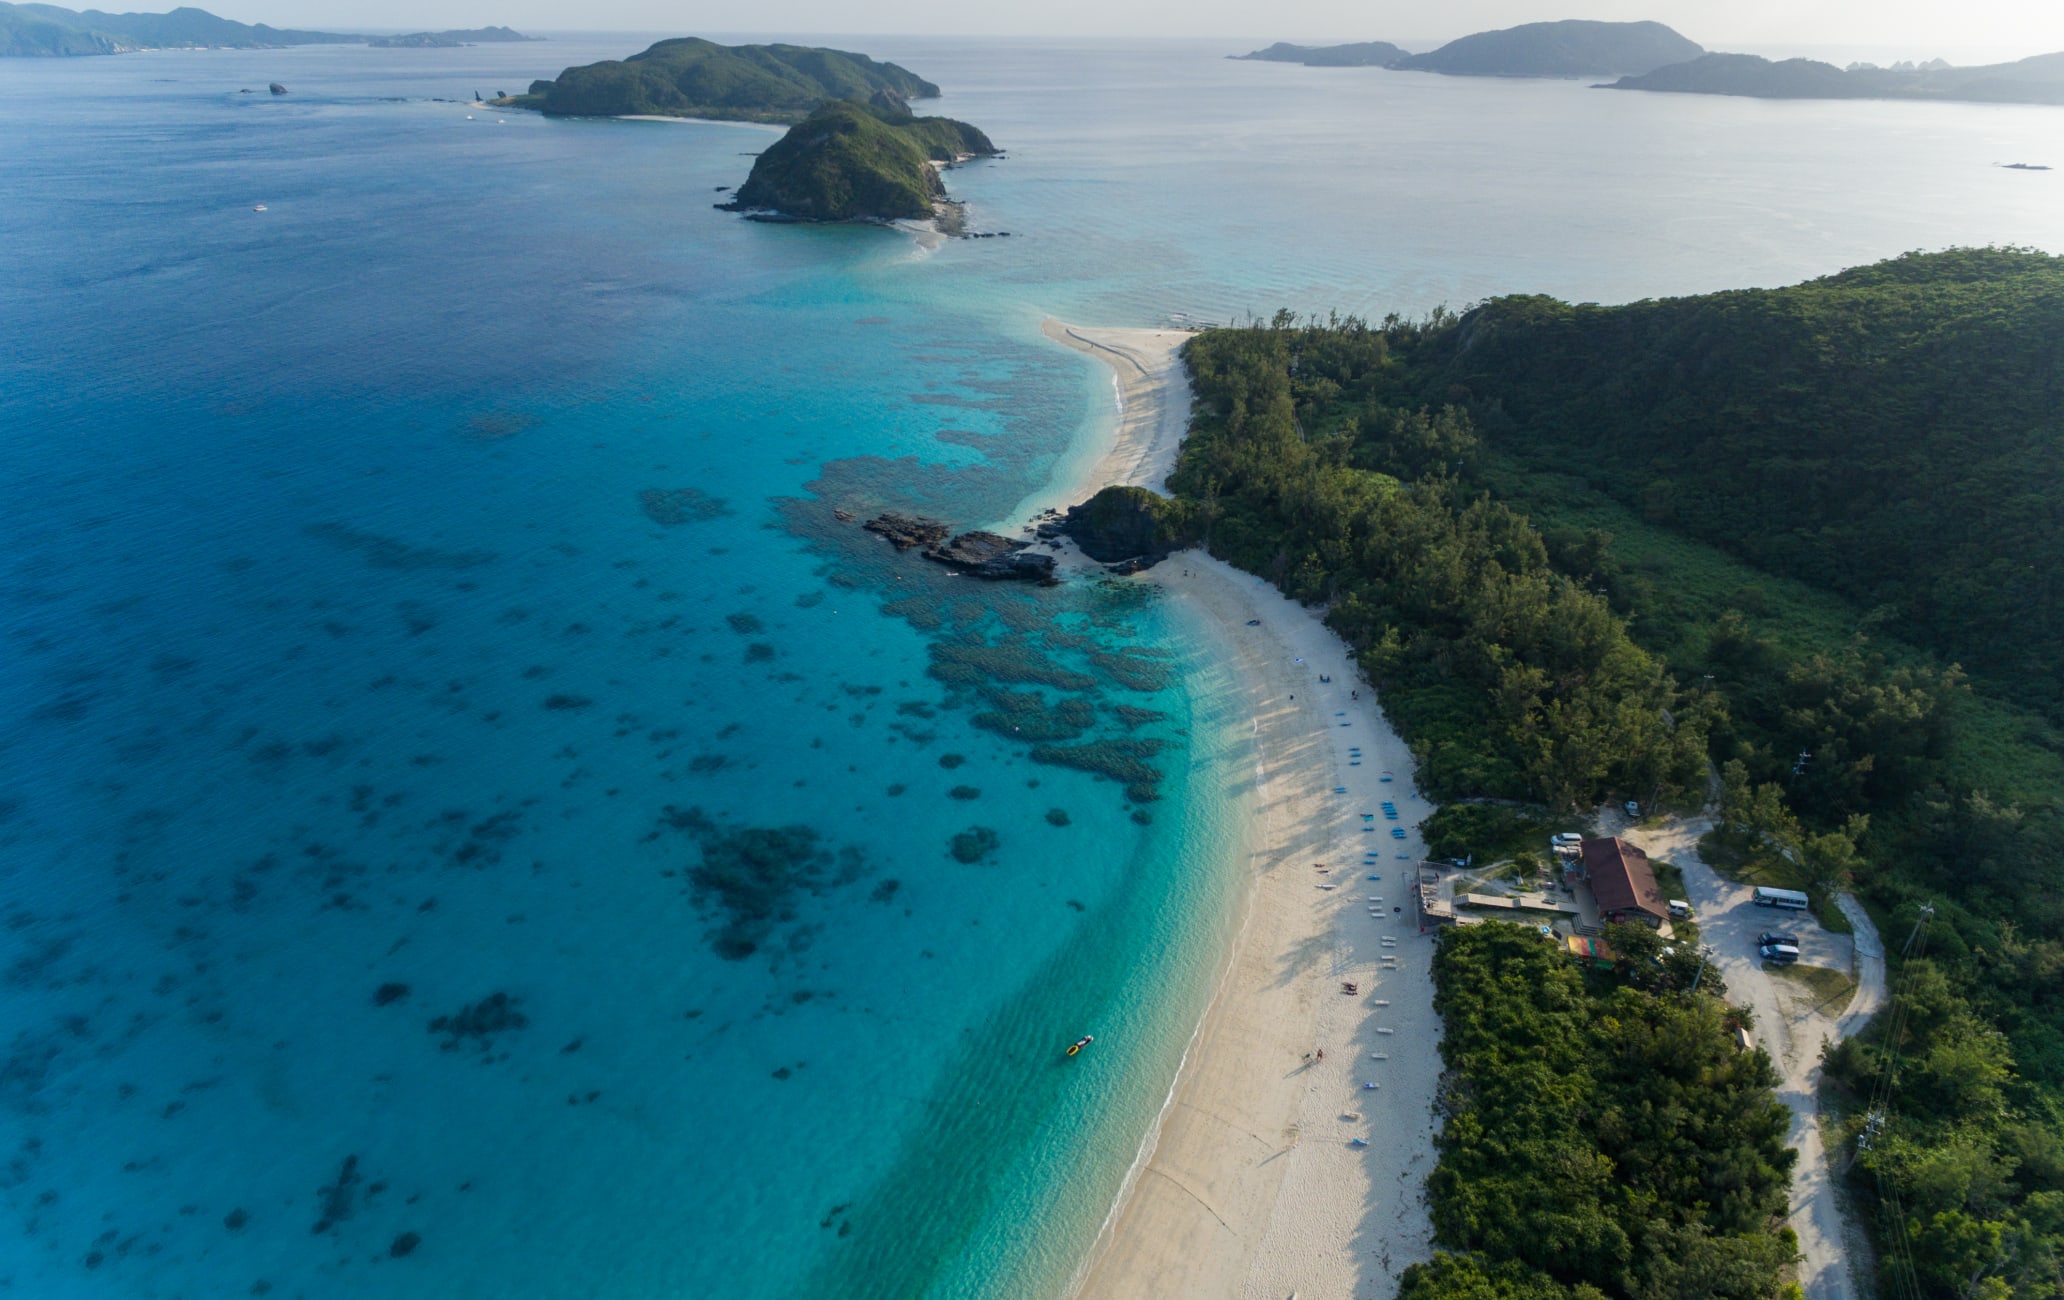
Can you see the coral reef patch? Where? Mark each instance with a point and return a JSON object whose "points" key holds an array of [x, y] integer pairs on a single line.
{"points": [[975, 844], [1026, 716], [480, 1021], [674, 506], [388, 553], [1124, 761], [336, 1201], [752, 877]]}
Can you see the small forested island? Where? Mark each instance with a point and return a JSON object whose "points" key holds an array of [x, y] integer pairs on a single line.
{"points": [[40, 30], [451, 40], [1574, 48], [2036, 80], [1802, 540], [849, 161], [1360, 54], [692, 77]]}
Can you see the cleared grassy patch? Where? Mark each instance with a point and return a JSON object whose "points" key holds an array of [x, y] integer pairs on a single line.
{"points": [[1829, 989]]}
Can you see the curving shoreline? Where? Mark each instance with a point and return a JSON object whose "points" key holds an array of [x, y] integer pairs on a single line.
{"points": [[1249, 1186]]}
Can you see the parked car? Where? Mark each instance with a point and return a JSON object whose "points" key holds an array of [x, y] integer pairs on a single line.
{"points": [[1779, 954], [1633, 808], [1566, 840], [1768, 937]]}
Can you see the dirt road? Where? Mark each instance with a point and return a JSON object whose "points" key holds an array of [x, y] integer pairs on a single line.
{"points": [[1789, 1026]]}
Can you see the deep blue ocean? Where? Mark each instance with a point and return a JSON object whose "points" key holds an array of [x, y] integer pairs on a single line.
{"points": [[474, 820]]}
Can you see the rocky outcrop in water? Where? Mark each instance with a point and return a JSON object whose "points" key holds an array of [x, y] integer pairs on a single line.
{"points": [[986, 555], [978, 554], [906, 531]]}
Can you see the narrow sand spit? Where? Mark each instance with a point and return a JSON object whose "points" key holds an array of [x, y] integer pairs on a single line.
{"points": [[1152, 392], [1251, 1186]]}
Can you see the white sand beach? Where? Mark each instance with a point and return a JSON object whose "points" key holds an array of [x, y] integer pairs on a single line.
{"points": [[1152, 393], [1253, 1186]]}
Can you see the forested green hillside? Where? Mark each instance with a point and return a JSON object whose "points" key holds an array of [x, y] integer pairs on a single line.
{"points": [[27, 34], [1509, 679], [184, 27], [1894, 433], [1585, 550], [44, 29]]}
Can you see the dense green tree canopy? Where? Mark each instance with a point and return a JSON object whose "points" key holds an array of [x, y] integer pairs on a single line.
{"points": [[1508, 678], [1601, 1140]]}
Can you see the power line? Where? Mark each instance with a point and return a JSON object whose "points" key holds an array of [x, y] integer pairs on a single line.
{"points": [[1877, 1124]]}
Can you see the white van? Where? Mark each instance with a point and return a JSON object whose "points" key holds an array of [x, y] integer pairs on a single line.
{"points": [[1791, 898]]}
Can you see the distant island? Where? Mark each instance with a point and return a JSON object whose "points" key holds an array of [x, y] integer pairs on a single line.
{"points": [[691, 77], [2037, 80], [1361, 54], [46, 31], [1650, 56], [43, 31], [849, 161], [450, 40], [1574, 48]]}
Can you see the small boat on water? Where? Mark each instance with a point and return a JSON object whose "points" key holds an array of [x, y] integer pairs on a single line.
{"points": [[1075, 1048]]}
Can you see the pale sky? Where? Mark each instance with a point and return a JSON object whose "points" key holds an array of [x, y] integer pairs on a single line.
{"points": [[1988, 28]]}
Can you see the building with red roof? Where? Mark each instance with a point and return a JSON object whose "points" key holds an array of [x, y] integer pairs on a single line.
{"points": [[1622, 882]]}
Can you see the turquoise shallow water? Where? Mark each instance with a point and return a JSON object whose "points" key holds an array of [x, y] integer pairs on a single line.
{"points": [[416, 583]]}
